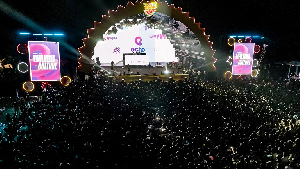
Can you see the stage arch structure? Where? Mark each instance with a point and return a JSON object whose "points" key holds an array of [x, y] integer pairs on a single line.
{"points": [[187, 37]]}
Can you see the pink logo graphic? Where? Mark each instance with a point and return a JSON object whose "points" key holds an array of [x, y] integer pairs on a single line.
{"points": [[117, 50], [112, 38], [241, 48], [138, 41], [159, 36]]}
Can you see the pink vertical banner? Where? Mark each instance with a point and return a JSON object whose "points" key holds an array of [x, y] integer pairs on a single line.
{"points": [[242, 58], [44, 60]]}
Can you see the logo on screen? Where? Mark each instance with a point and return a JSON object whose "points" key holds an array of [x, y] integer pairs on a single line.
{"points": [[111, 38], [244, 58], [159, 36], [138, 41], [150, 8], [117, 50], [138, 50]]}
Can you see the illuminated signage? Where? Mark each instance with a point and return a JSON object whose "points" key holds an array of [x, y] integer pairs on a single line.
{"points": [[135, 40], [150, 8], [138, 50], [44, 61], [138, 41], [242, 58]]}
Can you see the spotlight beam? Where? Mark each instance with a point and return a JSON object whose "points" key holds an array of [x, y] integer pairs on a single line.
{"points": [[20, 17]]}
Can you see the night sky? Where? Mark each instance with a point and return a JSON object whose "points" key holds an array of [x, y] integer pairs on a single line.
{"points": [[278, 21]]}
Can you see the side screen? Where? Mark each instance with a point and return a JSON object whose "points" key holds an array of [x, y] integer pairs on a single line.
{"points": [[44, 59], [242, 58]]}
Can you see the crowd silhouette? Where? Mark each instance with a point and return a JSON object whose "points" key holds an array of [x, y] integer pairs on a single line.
{"points": [[99, 123]]}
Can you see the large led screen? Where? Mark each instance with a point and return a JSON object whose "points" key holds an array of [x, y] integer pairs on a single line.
{"points": [[242, 58], [44, 60], [135, 39]]}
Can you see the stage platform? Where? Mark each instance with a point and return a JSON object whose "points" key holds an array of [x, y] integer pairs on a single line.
{"points": [[142, 70], [132, 78]]}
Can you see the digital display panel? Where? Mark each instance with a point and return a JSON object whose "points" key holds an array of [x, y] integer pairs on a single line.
{"points": [[44, 59], [135, 39], [136, 60], [242, 58]]}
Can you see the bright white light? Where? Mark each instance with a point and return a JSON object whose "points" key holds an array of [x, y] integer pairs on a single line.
{"points": [[37, 34], [162, 129], [59, 34], [24, 33], [157, 49]]}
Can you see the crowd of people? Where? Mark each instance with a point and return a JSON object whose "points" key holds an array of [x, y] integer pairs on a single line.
{"points": [[98, 123]]}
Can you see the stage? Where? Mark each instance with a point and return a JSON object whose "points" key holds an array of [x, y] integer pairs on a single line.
{"points": [[148, 78], [145, 73]]}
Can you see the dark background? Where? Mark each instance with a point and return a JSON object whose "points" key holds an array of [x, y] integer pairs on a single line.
{"points": [[277, 21]]}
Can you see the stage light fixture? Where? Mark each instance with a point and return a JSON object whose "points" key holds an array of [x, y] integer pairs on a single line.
{"points": [[28, 86], [22, 48], [228, 75], [65, 80], [248, 39], [23, 67], [256, 49], [230, 41], [254, 73]]}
